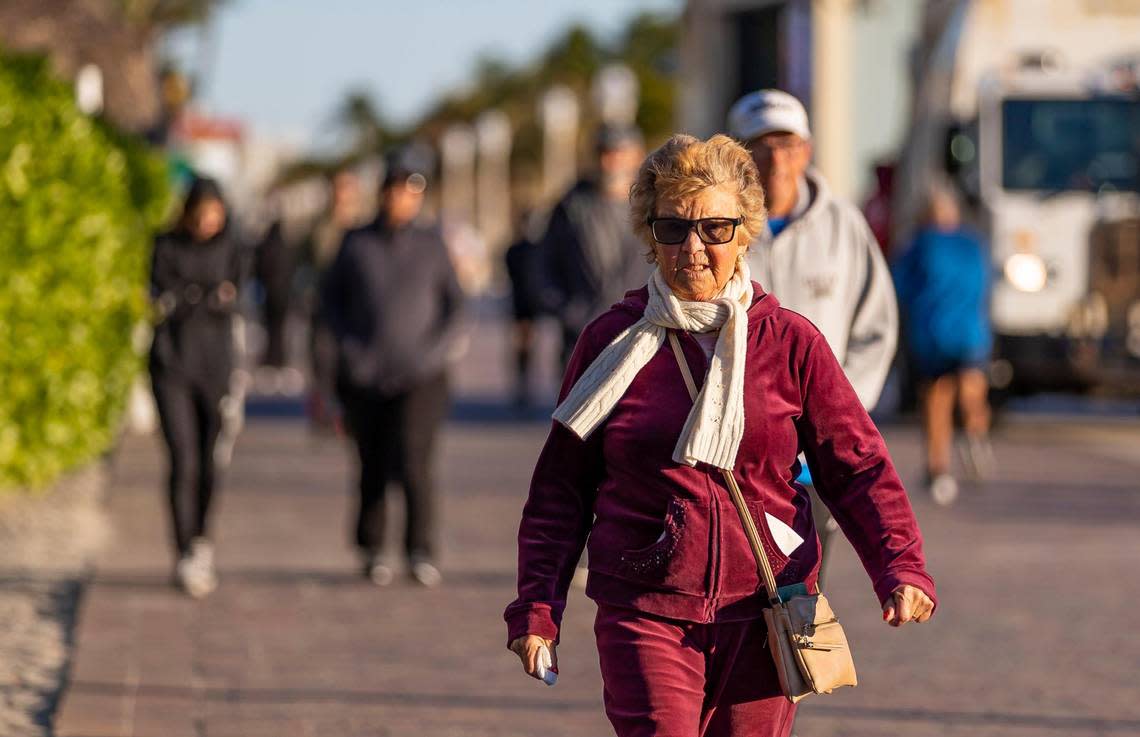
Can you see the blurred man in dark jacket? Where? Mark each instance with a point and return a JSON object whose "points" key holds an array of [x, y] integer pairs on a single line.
{"points": [[524, 263], [591, 257], [344, 213], [274, 269], [393, 303]]}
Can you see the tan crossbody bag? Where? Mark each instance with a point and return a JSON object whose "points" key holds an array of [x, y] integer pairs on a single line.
{"points": [[805, 638]]}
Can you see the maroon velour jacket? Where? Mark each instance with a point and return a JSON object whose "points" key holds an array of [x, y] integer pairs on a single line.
{"points": [[664, 538]]}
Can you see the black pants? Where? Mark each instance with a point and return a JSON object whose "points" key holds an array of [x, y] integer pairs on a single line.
{"points": [[323, 354], [570, 335], [191, 422], [276, 314], [824, 528], [395, 438]]}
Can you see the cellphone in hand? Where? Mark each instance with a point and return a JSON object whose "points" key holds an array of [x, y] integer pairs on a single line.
{"points": [[546, 670]]}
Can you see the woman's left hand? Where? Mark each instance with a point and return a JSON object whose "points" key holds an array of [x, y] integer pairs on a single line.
{"points": [[907, 604]]}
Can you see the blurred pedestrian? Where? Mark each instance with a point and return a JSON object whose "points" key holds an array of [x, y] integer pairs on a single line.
{"points": [[590, 254], [393, 303], [524, 269], [878, 208], [195, 274], [634, 465], [943, 282], [344, 213], [274, 269], [817, 253]]}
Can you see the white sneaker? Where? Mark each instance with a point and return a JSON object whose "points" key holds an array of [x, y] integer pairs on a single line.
{"points": [[378, 571], [195, 571], [943, 489], [202, 551], [426, 574]]}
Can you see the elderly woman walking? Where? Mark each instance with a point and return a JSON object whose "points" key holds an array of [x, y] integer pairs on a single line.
{"points": [[634, 465]]}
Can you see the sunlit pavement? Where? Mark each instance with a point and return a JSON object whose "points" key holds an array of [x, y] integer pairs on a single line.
{"points": [[1036, 574]]}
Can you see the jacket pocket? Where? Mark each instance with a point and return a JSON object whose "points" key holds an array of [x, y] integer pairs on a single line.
{"points": [[775, 557], [742, 577], [676, 561], [650, 556], [803, 561]]}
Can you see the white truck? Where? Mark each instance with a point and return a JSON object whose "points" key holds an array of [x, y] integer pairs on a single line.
{"points": [[1034, 109]]}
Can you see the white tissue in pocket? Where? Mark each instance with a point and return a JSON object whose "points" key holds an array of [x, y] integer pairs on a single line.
{"points": [[786, 538]]}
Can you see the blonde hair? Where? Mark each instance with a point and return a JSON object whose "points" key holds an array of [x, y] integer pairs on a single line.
{"points": [[685, 165]]}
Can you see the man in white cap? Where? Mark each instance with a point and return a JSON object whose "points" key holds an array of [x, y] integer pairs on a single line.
{"points": [[817, 253]]}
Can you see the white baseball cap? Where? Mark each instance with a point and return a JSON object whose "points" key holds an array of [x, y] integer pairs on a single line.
{"points": [[767, 111]]}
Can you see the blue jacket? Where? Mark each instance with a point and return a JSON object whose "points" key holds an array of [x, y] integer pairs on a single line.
{"points": [[943, 285]]}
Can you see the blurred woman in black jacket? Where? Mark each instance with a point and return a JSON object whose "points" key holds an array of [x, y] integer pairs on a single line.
{"points": [[195, 273]]}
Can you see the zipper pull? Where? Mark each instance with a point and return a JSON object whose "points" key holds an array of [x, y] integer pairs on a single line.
{"points": [[805, 644]]}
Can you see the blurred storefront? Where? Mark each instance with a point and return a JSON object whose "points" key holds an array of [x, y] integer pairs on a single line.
{"points": [[847, 60], [1032, 108]]}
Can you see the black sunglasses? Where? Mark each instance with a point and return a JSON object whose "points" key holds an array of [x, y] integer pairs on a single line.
{"points": [[711, 231]]}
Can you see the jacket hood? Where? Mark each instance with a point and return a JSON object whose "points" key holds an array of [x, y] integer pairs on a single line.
{"points": [[763, 304], [820, 195]]}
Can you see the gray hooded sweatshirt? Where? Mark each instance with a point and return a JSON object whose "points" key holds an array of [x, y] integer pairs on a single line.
{"points": [[826, 265]]}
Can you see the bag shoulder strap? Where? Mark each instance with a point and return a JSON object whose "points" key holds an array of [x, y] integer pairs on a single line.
{"points": [[763, 566]]}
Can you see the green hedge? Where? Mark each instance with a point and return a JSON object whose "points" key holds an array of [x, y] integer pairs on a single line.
{"points": [[78, 204]]}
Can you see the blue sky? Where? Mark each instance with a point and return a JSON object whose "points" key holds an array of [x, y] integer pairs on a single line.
{"points": [[283, 65]]}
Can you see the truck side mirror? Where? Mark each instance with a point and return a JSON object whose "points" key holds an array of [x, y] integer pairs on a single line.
{"points": [[960, 159]]}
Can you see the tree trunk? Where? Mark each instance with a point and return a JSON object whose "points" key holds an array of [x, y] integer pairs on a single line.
{"points": [[74, 33]]}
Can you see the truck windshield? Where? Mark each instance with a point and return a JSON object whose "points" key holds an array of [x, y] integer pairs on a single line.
{"points": [[1082, 145]]}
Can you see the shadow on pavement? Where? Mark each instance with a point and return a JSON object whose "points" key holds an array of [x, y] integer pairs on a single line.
{"points": [[453, 700], [454, 579], [985, 718], [450, 700], [1054, 502], [466, 410]]}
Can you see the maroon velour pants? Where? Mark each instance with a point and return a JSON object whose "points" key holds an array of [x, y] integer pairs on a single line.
{"points": [[668, 678]]}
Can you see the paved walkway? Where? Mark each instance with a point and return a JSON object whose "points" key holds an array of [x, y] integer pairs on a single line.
{"points": [[294, 643], [47, 541]]}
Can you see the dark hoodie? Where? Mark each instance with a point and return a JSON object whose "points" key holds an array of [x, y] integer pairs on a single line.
{"points": [[664, 538], [195, 337], [590, 255], [393, 302]]}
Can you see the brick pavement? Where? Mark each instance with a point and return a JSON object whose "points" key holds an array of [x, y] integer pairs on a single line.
{"points": [[294, 643]]}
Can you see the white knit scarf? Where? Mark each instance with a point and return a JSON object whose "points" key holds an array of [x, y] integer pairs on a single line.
{"points": [[715, 425]]}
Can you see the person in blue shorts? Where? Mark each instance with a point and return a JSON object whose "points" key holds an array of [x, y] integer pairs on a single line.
{"points": [[943, 284]]}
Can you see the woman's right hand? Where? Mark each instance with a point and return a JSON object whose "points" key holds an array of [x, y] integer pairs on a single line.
{"points": [[226, 292], [527, 648], [163, 306], [223, 297]]}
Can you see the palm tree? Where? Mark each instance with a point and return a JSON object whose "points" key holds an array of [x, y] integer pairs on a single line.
{"points": [[119, 36], [163, 15], [359, 115]]}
